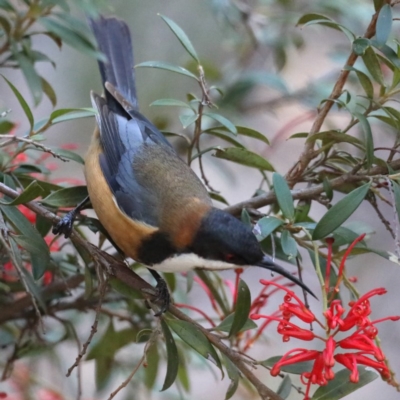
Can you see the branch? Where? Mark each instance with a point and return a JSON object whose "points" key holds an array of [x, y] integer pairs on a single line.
{"points": [[308, 152], [313, 191]]}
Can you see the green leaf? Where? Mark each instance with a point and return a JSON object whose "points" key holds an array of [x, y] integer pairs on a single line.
{"points": [[327, 188], [364, 81], [265, 226], [38, 249], [384, 24], [182, 37], [233, 374], [285, 387], [71, 37], [153, 359], [289, 245], [284, 196], [218, 197], [49, 92], [225, 137], [341, 386], [6, 127], [68, 197], [170, 102], [167, 67], [226, 324], [372, 63], [368, 139], [340, 212], [242, 130], [33, 80], [334, 136], [312, 17], [195, 339], [332, 24], [244, 157], [360, 45], [22, 102], [245, 218], [223, 121], [187, 120], [68, 154], [172, 357], [66, 114], [296, 369], [242, 308], [6, 5], [31, 192]]}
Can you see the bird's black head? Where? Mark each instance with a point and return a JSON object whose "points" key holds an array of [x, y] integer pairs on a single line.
{"points": [[221, 237]]}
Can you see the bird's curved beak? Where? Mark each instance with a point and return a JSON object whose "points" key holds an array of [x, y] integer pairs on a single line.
{"points": [[268, 263]]}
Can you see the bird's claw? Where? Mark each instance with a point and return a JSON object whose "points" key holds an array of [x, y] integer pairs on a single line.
{"points": [[64, 226], [163, 297]]}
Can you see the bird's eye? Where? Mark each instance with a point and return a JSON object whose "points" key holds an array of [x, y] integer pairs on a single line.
{"points": [[229, 257]]}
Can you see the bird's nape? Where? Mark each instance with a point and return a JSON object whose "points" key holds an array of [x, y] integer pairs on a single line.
{"points": [[269, 264]]}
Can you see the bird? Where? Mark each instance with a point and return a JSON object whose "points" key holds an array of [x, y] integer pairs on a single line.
{"points": [[152, 204]]}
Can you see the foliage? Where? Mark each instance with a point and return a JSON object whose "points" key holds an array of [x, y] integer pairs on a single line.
{"points": [[42, 276]]}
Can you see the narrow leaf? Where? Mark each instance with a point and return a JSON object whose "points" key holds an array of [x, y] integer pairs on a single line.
{"points": [[242, 308], [172, 357], [187, 120], [170, 102], [341, 385], [289, 245], [195, 339], [66, 114], [372, 63], [369, 141], [32, 78], [224, 137], [242, 130], [296, 369], [182, 37], [244, 157], [224, 121], [233, 374], [49, 92], [226, 324], [265, 226], [312, 17], [360, 45], [22, 102], [364, 81], [340, 212], [384, 24], [68, 197], [167, 67], [284, 196], [285, 387], [31, 192], [38, 249]]}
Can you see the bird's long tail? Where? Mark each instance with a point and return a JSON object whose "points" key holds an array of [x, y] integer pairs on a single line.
{"points": [[114, 41]]}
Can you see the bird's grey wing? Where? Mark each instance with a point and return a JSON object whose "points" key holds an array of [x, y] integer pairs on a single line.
{"points": [[143, 172]]}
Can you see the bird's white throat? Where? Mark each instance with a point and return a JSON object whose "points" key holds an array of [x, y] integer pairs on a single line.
{"points": [[188, 261]]}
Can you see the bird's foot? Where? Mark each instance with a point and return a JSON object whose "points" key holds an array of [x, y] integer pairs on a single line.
{"points": [[163, 297], [64, 226]]}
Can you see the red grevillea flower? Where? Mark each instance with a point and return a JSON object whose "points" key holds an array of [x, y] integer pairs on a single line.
{"points": [[336, 319]]}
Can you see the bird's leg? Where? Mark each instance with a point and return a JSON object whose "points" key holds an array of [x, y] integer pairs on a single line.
{"points": [[64, 226], [162, 292]]}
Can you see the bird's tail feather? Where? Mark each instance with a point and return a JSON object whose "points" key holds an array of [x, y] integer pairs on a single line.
{"points": [[114, 41]]}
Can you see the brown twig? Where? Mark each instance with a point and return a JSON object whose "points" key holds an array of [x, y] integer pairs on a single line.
{"points": [[313, 191], [93, 330], [308, 152], [40, 146]]}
